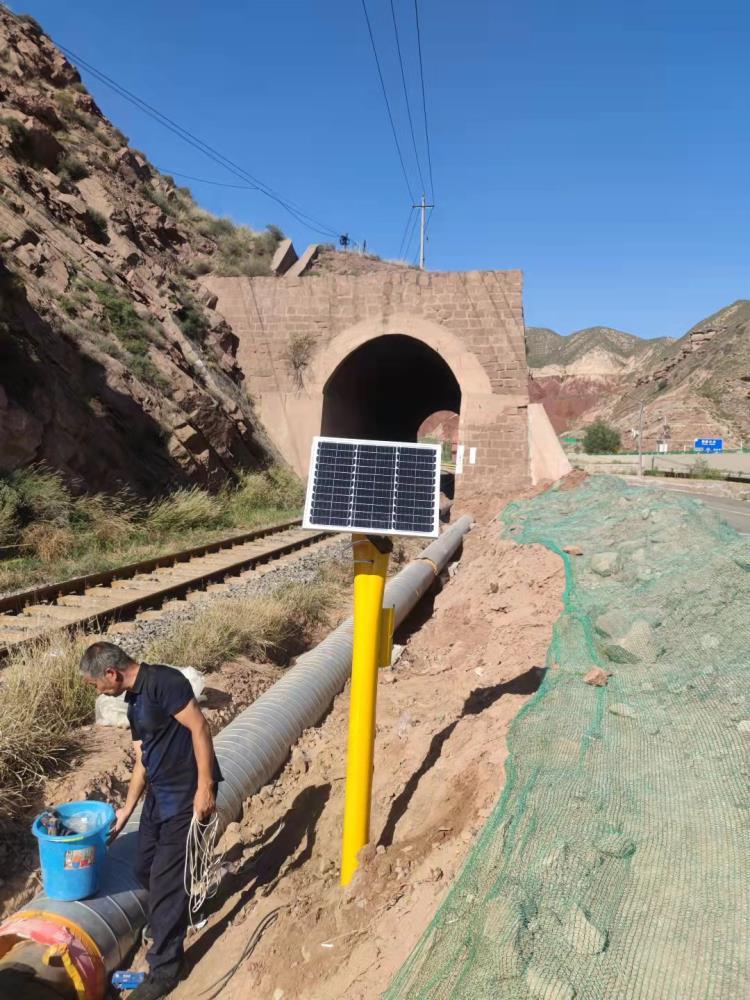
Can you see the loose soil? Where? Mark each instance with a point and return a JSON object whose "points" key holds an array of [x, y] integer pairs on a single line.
{"points": [[443, 716], [473, 654]]}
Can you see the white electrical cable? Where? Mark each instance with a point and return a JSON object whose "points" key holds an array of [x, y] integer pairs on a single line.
{"points": [[202, 864]]}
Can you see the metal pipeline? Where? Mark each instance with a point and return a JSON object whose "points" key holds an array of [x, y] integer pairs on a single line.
{"points": [[100, 932]]}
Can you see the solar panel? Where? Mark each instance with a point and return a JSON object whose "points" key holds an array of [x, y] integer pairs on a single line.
{"points": [[373, 487]]}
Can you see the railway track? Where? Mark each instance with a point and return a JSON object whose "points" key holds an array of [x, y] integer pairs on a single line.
{"points": [[122, 593]]}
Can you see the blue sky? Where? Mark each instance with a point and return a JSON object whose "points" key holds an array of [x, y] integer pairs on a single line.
{"points": [[600, 146]]}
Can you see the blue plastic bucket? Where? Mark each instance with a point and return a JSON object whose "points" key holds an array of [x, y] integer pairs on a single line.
{"points": [[70, 865]]}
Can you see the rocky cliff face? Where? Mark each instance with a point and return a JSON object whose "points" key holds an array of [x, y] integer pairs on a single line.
{"points": [[114, 368]]}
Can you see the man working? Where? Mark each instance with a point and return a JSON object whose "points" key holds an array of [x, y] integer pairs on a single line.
{"points": [[176, 765]]}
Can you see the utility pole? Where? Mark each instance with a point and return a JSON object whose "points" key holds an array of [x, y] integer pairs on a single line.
{"points": [[640, 441], [423, 206]]}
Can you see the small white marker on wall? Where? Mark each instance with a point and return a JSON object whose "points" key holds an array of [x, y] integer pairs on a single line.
{"points": [[472, 456]]}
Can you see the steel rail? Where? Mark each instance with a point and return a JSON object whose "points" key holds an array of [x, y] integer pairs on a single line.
{"points": [[131, 602]]}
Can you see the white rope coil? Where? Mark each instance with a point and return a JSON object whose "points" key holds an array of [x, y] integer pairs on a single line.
{"points": [[202, 864]]}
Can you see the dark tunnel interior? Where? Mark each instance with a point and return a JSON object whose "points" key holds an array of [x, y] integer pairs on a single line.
{"points": [[385, 389]]}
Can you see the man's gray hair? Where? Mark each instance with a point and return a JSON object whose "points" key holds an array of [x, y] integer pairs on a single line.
{"points": [[103, 656]]}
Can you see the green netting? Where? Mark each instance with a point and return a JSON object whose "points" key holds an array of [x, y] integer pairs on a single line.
{"points": [[616, 862]]}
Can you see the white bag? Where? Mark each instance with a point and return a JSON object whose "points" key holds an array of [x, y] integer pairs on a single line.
{"points": [[112, 711]]}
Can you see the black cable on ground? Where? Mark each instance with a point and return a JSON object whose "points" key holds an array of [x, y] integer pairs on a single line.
{"points": [[270, 918]]}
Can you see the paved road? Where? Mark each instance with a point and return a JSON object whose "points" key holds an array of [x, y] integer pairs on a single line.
{"points": [[734, 512]]}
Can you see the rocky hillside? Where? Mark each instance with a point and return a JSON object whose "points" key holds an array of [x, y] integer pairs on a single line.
{"points": [[698, 385], [702, 386], [598, 350], [114, 368]]}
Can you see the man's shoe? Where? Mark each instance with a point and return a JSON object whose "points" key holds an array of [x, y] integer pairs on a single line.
{"points": [[154, 987]]}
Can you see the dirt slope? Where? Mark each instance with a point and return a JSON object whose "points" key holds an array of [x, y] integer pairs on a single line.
{"points": [[114, 367], [443, 716]]}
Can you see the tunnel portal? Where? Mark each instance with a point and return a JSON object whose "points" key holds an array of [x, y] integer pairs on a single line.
{"points": [[385, 389]]}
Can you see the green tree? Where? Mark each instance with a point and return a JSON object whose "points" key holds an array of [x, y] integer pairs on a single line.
{"points": [[601, 439]]}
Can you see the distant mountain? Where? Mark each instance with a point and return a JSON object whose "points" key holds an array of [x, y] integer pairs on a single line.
{"points": [[545, 347], [696, 386]]}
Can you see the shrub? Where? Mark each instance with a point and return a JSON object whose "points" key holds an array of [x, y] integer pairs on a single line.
{"points": [[157, 198], [187, 509], [32, 23], [98, 223], [71, 113], [278, 488], [74, 303], [48, 542], [601, 439], [267, 241], [242, 267], [20, 141], [144, 369], [70, 168], [40, 494], [207, 225], [241, 251], [68, 305], [122, 320], [106, 519], [700, 469], [8, 515], [191, 317], [195, 268], [298, 355]]}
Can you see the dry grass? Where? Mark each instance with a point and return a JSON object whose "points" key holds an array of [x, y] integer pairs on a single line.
{"points": [[185, 510], [47, 541], [42, 701], [62, 535], [271, 627]]}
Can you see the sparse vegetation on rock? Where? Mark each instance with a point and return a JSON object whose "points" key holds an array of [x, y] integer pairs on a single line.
{"points": [[102, 312]]}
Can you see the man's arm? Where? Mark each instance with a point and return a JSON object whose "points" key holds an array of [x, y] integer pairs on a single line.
{"points": [[191, 717], [135, 790]]}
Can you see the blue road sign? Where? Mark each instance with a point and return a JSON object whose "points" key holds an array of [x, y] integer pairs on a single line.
{"points": [[709, 444]]}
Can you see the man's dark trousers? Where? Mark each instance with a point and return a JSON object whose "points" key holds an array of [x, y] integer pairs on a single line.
{"points": [[160, 868]]}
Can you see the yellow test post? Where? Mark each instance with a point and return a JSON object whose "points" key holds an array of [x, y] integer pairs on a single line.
{"points": [[370, 571]]}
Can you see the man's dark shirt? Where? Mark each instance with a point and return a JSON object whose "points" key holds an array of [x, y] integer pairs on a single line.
{"points": [[158, 694]]}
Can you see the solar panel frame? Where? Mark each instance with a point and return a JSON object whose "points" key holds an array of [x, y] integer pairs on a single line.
{"points": [[348, 488]]}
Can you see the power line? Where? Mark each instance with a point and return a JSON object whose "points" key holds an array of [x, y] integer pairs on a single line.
{"points": [[204, 180], [406, 95], [407, 250], [310, 222], [406, 230], [424, 102], [387, 102]]}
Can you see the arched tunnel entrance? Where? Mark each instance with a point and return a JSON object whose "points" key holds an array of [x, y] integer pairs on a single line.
{"points": [[386, 388]]}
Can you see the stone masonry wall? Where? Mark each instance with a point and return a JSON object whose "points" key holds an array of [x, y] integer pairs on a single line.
{"points": [[473, 319]]}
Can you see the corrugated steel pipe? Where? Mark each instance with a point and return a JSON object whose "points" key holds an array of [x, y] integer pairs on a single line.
{"points": [[250, 750]]}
